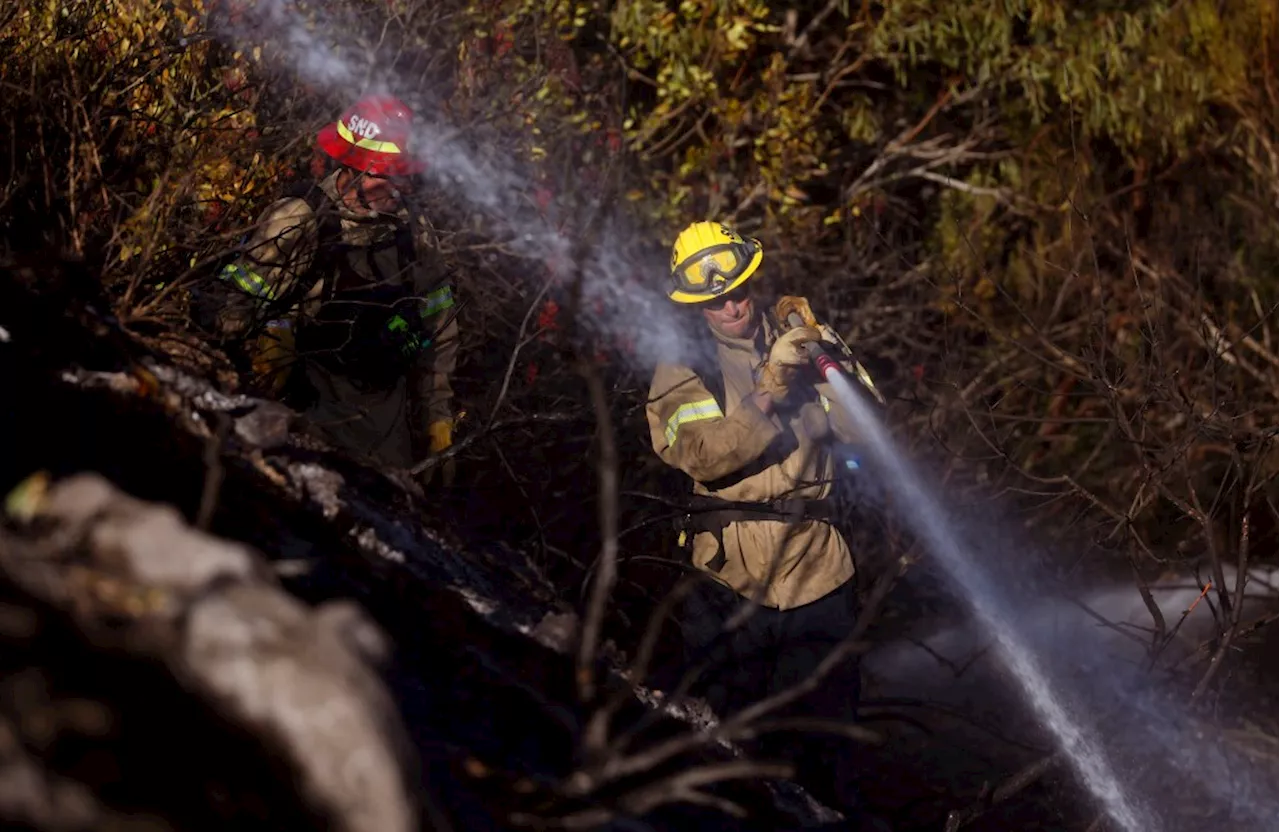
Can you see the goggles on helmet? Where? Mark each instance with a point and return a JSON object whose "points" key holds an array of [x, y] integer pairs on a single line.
{"points": [[713, 270]]}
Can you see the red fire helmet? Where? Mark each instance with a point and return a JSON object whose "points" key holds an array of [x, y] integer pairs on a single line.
{"points": [[373, 135]]}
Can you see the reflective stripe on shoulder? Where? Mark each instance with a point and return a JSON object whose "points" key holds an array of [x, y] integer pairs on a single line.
{"points": [[438, 301], [691, 412], [248, 280]]}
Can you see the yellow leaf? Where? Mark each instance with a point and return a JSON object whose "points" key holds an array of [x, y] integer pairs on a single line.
{"points": [[25, 500]]}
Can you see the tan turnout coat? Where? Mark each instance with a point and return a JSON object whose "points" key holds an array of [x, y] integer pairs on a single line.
{"points": [[741, 454], [280, 250]]}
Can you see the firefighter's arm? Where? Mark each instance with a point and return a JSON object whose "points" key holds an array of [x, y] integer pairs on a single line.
{"points": [[444, 359], [690, 432], [432, 386], [278, 251]]}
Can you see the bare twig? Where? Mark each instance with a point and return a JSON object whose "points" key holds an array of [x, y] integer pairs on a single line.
{"points": [[960, 818], [521, 341], [494, 427], [607, 572], [1242, 577], [595, 735], [617, 767]]}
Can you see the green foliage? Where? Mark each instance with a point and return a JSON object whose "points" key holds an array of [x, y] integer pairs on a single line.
{"points": [[732, 112], [1143, 77]]}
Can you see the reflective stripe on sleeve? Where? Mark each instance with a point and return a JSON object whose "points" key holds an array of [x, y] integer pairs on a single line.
{"points": [[691, 412], [826, 403], [438, 301], [248, 280]]}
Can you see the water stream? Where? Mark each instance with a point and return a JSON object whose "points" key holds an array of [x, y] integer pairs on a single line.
{"points": [[987, 603]]}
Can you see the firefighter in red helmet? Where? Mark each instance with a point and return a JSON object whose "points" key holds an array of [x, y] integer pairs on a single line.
{"points": [[341, 301]]}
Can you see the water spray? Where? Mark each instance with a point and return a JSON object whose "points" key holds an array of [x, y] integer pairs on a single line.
{"points": [[987, 602]]}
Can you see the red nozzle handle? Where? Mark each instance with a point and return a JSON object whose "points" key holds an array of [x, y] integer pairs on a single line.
{"points": [[825, 363]]}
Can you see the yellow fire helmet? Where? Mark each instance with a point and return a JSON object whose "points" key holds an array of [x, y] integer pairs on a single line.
{"points": [[710, 259]]}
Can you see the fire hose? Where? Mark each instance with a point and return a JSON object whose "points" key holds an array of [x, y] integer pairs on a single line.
{"points": [[826, 365]]}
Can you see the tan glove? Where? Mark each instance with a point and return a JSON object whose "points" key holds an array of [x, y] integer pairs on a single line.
{"points": [[273, 356], [792, 304], [786, 357]]}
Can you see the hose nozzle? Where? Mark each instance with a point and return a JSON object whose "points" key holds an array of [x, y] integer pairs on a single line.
{"points": [[825, 364]]}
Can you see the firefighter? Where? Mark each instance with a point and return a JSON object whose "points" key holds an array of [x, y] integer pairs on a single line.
{"points": [[755, 428], [341, 301]]}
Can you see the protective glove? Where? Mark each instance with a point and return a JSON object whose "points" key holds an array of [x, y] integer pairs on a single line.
{"points": [[786, 357], [792, 304], [789, 304], [440, 438], [440, 433], [272, 357]]}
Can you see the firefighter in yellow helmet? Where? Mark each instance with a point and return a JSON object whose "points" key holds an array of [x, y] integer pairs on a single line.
{"points": [[343, 304], [756, 429]]}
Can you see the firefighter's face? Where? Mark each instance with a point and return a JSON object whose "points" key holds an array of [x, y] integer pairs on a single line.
{"points": [[365, 192], [732, 315]]}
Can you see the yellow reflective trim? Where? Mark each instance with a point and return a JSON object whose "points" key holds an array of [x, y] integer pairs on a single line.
{"points": [[248, 280], [826, 403], [368, 144], [438, 301], [691, 412]]}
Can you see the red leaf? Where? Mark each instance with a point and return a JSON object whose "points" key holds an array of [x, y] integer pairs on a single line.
{"points": [[547, 317], [502, 41], [212, 215]]}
